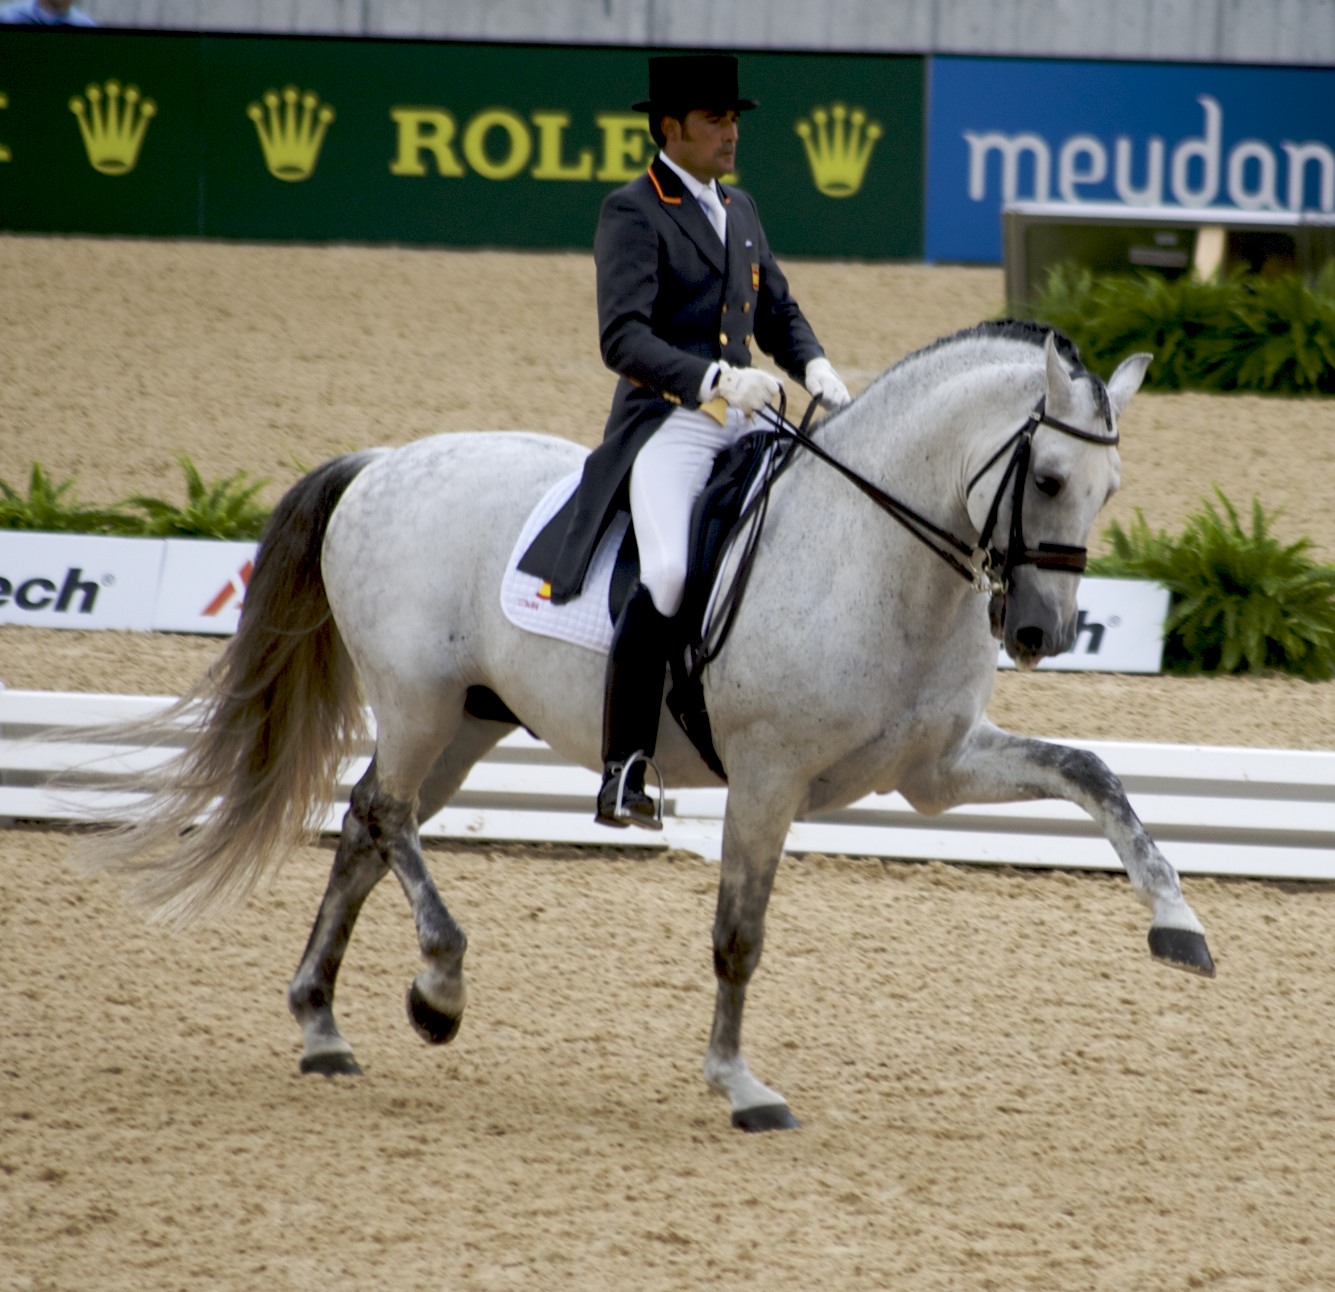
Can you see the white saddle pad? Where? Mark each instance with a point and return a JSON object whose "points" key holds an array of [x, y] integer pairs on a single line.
{"points": [[583, 621]]}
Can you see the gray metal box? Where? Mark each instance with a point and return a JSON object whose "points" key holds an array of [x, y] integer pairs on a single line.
{"points": [[1168, 240]]}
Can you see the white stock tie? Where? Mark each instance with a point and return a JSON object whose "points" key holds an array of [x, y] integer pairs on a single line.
{"points": [[709, 199]]}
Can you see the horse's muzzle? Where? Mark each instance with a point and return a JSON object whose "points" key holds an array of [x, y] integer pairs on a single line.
{"points": [[1029, 633]]}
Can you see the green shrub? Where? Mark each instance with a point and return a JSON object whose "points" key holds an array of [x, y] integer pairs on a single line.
{"points": [[1271, 335], [52, 508], [1242, 602], [225, 510], [1292, 339]]}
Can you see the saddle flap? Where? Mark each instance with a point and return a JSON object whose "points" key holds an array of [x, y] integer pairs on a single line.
{"points": [[714, 519], [737, 477]]}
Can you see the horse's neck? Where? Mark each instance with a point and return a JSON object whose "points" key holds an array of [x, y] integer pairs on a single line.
{"points": [[919, 442], [921, 435]]}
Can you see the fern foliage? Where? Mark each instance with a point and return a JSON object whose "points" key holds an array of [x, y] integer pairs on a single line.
{"points": [[1243, 601], [225, 509], [52, 507], [1246, 332]]}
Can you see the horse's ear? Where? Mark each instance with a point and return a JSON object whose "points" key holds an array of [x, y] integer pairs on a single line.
{"points": [[1061, 388], [1126, 380]]}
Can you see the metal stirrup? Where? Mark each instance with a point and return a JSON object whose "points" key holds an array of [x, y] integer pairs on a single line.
{"points": [[639, 756]]}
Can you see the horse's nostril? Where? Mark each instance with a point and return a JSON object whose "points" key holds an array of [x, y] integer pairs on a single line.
{"points": [[1030, 640]]}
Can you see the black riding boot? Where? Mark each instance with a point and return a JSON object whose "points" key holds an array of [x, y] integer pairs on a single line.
{"points": [[633, 697]]}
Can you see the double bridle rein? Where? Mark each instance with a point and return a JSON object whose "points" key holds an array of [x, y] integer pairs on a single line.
{"points": [[983, 565]]}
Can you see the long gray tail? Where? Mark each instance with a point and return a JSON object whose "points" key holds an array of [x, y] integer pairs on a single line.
{"points": [[275, 718]]}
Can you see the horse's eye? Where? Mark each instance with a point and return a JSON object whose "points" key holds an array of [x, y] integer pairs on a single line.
{"points": [[1050, 486]]}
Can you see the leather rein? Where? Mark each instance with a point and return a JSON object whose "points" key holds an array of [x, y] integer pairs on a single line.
{"points": [[983, 565]]}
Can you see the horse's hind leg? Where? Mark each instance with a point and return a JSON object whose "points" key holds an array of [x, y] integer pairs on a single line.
{"points": [[358, 867], [379, 834], [437, 995]]}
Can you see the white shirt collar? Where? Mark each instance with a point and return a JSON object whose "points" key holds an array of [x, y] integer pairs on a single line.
{"points": [[693, 185]]}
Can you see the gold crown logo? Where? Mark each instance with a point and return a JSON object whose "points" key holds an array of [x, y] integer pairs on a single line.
{"points": [[112, 125], [291, 127], [838, 144]]}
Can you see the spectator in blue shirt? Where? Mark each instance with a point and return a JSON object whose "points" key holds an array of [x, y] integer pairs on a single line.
{"points": [[46, 13]]}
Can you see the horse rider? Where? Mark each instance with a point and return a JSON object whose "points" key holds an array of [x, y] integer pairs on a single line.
{"points": [[686, 285]]}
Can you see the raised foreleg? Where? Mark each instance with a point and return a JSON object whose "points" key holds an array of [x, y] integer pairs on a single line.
{"points": [[995, 766]]}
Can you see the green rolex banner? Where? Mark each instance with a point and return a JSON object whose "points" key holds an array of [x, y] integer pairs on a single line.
{"points": [[99, 133], [176, 134]]}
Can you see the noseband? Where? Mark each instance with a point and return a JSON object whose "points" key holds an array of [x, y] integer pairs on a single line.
{"points": [[999, 565], [984, 565]]}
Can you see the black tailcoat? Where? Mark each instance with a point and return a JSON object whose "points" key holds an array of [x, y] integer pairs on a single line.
{"points": [[671, 301]]}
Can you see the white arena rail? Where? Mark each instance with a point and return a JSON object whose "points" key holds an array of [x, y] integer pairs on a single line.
{"points": [[1263, 813]]}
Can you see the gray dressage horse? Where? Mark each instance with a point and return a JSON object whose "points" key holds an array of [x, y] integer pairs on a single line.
{"points": [[860, 660]]}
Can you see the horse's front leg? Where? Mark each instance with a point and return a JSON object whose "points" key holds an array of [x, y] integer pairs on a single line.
{"points": [[997, 767], [753, 838]]}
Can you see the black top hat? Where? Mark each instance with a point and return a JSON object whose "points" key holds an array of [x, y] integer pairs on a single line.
{"points": [[686, 81]]}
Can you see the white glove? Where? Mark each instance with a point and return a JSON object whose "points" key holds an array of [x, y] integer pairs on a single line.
{"points": [[748, 389], [823, 383]]}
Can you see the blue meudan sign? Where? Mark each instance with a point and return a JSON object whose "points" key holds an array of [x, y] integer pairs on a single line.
{"points": [[1139, 134]]}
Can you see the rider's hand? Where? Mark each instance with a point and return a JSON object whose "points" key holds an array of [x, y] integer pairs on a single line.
{"points": [[824, 384], [748, 389]]}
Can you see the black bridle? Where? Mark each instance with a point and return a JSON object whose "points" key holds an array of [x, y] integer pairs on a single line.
{"points": [[982, 564]]}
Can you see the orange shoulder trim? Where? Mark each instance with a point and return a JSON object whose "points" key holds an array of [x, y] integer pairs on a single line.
{"points": [[662, 197]]}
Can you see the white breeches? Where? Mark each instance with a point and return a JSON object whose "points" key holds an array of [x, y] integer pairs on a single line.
{"points": [[665, 480]]}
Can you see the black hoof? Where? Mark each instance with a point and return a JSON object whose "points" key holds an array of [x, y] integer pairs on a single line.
{"points": [[771, 1117], [333, 1063], [430, 1023], [1182, 949]]}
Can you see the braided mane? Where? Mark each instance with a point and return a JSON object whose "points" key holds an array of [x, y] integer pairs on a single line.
{"points": [[1035, 334], [1028, 332]]}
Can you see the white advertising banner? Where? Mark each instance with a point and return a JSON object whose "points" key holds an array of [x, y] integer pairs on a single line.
{"points": [[1120, 629], [203, 586], [199, 586], [78, 580]]}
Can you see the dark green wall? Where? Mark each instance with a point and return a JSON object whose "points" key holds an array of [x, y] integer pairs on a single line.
{"points": [[455, 144]]}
